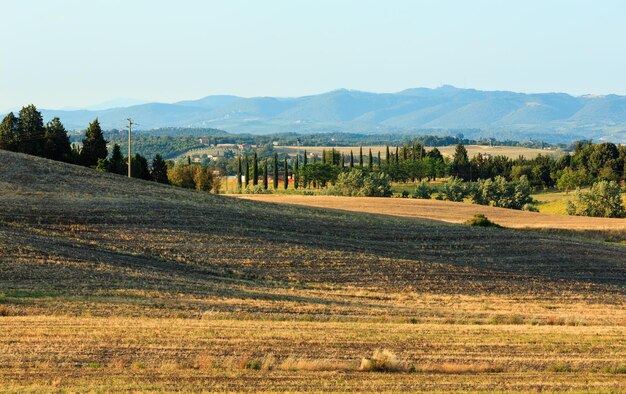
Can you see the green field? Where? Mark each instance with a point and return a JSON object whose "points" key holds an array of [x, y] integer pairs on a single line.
{"points": [[116, 284]]}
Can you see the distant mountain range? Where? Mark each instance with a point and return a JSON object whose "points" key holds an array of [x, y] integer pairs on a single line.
{"points": [[552, 117]]}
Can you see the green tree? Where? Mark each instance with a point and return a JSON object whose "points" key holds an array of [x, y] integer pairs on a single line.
{"points": [[159, 168], [139, 167], [454, 190], [296, 175], [31, 136], [351, 160], [265, 180], [361, 183], [275, 175], [361, 156], [94, 145], [286, 175], [57, 144], [9, 129], [255, 170], [370, 161], [604, 199], [239, 183], [246, 175], [117, 164], [460, 163]]}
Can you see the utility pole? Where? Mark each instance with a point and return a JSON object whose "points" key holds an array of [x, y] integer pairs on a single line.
{"points": [[130, 126]]}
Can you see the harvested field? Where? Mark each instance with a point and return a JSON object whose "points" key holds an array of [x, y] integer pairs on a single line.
{"points": [[453, 212], [512, 152], [114, 284]]}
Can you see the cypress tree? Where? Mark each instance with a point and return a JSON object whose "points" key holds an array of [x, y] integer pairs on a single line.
{"points": [[405, 149], [255, 171], [31, 136], [8, 132], [323, 156], [304, 159], [286, 178], [361, 156], [388, 157], [265, 182], [275, 176], [117, 164], [239, 185], [246, 175], [139, 167], [397, 156], [296, 175], [57, 146], [159, 168], [343, 161], [370, 160], [351, 160], [380, 163], [94, 145]]}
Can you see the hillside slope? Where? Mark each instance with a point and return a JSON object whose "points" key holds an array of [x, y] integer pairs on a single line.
{"points": [[72, 230], [116, 284]]}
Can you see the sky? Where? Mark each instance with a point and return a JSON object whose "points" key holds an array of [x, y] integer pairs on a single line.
{"points": [[75, 53]]}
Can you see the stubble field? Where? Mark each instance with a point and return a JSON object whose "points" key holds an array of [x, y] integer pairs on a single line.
{"points": [[115, 284]]}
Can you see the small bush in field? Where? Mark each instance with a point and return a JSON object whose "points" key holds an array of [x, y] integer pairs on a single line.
{"points": [[381, 361], [480, 220]]}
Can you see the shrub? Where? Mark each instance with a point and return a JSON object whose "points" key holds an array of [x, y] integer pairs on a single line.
{"points": [[200, 178], [258, 189], [480, 220], [500, 193], [357, 182], [381, 361], [454, 190], [423, 191], [604, 199]]}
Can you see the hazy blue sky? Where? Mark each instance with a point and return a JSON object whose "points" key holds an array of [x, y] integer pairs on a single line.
{"points": [[76, 53]]}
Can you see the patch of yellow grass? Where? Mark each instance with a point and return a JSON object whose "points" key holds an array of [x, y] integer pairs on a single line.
{"points": [[307, 364], [456, 368], [381, 361]]}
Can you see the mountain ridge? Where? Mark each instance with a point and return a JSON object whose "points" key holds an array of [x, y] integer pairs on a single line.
{"points": [[553, 117]]}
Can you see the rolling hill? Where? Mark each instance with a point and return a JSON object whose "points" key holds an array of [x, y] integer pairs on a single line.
{"points": [[109, 283], [552, 117]]}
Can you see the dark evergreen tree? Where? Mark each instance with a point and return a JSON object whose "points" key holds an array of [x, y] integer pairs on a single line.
{"points": [[460, 165], [117, 164], [275, 175], [351, 160], [239, 185], [57, 145], [323, 155], [139, 167], [296, 173], [304, 159], [31, 135], [343, 161], [246, 175], [94, 145], [286, 173], [370, 160], [255, 170], [265, 180], [388, 157], [380, 163], [361, 156], [397, 156], [159, 168], [8, 132]]}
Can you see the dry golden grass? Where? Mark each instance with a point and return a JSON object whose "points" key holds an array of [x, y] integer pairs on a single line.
{"points": [[447, 211], [512, 152]]}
